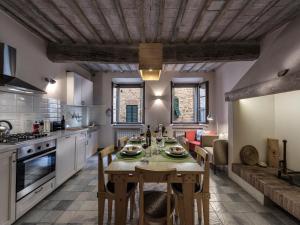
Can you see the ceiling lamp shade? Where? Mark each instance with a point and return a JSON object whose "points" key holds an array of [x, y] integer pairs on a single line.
{"points": [[150, 60]]}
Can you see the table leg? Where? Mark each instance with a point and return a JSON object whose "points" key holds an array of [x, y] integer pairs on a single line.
{"points": [[120, 202], [101, 203], [188, 202]]}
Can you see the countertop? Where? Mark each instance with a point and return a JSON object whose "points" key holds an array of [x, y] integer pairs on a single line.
{"points": [[51, 136]]}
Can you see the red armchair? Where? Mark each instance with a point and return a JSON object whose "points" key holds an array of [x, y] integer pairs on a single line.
{"points": [[191, 139]]}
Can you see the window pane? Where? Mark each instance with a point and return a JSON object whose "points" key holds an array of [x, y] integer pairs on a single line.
{"points": [[184, 105], [127, 105], [202, 103]]}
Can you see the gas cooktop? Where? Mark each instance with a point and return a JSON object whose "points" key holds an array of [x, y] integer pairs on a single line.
{"points": [[19, 137]]}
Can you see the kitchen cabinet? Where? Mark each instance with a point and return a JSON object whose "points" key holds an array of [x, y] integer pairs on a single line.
{"points": [[81, 143], [92, 145], [79, 90], [65, 158], [7, 187]]}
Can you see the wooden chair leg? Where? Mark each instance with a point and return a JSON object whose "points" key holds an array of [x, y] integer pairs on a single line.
{"points": [[205, 202], [109, 206], [215, 169], [132, 205], [101, 202], [199, 209]]}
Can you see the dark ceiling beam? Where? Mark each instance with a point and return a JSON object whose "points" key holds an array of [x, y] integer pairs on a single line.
{"points": [[178, 20], [246, 4], [53, 4], [46, 19], [160, 20], [255, 18], [23, 21], [198, 19], [141, 19], [173, 53], [216, 20], [103, 20], [29, 19], [81, 15], [120, 13]]}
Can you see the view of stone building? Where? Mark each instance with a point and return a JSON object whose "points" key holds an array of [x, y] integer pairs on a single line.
{"points": [[187, 104]]}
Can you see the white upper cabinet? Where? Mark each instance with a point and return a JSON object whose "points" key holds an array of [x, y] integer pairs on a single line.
{"points": [[79, 90]]}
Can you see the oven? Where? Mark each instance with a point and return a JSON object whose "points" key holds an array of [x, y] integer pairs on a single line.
{"points": [[35, 166]]}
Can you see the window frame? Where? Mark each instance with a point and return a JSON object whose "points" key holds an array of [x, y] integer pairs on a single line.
{"points": [[197, 86], [133, 85]]}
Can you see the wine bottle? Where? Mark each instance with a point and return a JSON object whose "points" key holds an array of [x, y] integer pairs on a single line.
{"points": [[148, 136]]}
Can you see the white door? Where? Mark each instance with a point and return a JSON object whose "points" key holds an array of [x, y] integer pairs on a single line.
{"points": [[7, 187], [87, 91], [80, 150], [65, 159], [89, 147]]}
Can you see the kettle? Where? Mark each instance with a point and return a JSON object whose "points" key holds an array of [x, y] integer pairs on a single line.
{"points": [[4, 130]]}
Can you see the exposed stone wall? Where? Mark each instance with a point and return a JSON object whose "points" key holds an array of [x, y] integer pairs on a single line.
{"points": [[129, 96], [186, 104]]}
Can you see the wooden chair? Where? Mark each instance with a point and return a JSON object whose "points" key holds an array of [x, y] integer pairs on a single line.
{"points": [[155, 206], [106, 190], [201, 193], [122, 142]]}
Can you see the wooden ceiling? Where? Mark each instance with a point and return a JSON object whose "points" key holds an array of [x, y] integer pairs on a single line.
{"points": [[128, 22]]}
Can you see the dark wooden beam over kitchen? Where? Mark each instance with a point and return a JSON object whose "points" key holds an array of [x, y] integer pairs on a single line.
{"points": [[172, 53]]}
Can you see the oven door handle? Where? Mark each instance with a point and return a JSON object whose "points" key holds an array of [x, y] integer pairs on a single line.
{"points": [[38, 156]]}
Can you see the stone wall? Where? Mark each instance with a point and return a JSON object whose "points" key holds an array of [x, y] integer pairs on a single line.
{"points": [[129, 96], [186, 104]]}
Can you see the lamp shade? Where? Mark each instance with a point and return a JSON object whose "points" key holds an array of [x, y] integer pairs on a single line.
{"points": [[150, 60]]}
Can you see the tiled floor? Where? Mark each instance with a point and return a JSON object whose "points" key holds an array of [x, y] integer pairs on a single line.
{"points": [[75, 203]]}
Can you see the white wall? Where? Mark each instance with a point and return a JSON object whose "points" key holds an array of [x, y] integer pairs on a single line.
{"points": [[226, 77], [287, 124], [253, 123], [156, 111], [32, 62], [279, 51]]}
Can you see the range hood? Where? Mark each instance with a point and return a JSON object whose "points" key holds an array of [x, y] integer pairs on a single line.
{"points": [[8, 80]]}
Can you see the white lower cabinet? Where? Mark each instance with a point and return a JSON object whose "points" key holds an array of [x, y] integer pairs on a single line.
{"points": [[7, 187], [81, 143], [92, 145], [65, 158]]}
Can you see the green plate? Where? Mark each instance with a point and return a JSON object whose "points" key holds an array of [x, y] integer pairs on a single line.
{"points": [[169, 153]]}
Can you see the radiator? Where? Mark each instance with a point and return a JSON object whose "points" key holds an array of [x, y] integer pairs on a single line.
{"points": [[129, 132]]}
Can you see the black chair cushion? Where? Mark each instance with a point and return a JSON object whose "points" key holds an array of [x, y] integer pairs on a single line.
{"points": [[155, 204], [110, 186], [178, 187]]}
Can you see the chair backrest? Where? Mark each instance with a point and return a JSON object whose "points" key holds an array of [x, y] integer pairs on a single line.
{"points": [[105, 152], [220, 150], [207, 140], [202, 159], [144, 174], [122, 142]]}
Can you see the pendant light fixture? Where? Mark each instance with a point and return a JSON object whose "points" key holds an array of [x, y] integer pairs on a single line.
{"points": [[150, 60]]}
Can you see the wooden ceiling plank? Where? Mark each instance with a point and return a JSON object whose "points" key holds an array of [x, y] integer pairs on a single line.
{"points": [[259, 14], [160, 20], [173, 53], [280, 23], [247, 3], [81, 15], [69, 21], [22, 20], [103, 19], [141, 19], [216, 20], [120, 13], [198, 19], [22, 12], [201, 68], [85, 67], [47, 20], [178, 20]]}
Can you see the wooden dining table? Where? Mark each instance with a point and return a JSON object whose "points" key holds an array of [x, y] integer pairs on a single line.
{"points": [[122, 171]]}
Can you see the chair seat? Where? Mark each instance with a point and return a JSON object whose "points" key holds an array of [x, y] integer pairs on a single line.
{"points": [[178, 187], [111, 187], [197, 143], [155, 204]]}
